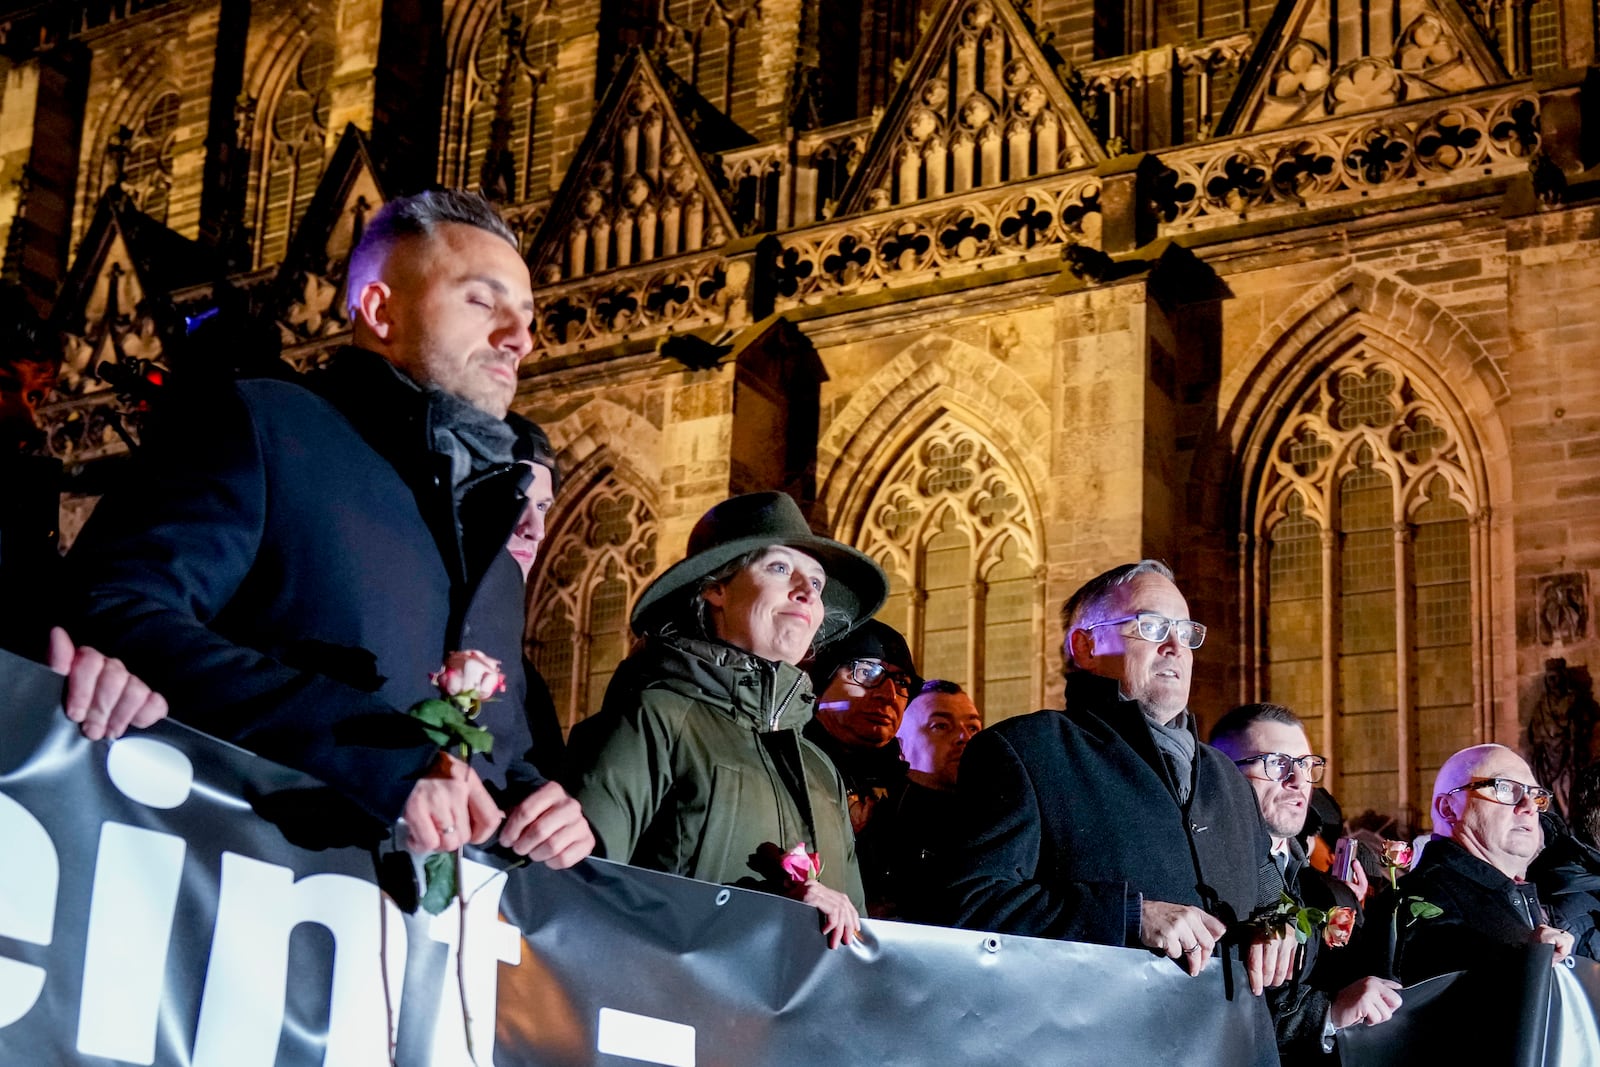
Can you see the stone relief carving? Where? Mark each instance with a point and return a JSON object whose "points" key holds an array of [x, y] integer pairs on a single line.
{"points": [[1563, 608], [1561, 730]]}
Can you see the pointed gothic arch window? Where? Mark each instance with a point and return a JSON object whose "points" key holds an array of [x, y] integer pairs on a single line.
{"points": [[704, 42], [1368, 587], [504, 149], [599, 558], [140, 155], [955, 534], [295, 151]]}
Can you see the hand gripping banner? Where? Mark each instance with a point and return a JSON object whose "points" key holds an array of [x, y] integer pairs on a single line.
{"points": [[169, 899]]}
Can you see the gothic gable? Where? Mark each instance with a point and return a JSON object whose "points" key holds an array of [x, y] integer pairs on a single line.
{"points": [[1322, 58], [639, 188], [124, 298], [310, 295], [123, 290], [981, 105]]}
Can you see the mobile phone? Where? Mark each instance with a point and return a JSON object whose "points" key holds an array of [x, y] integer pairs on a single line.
{"points": [[1344, 858]]}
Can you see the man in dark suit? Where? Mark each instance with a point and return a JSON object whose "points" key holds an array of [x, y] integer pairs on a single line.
{"points": [[1472, 871], [290, 562], [1110, 822], [1325, 993]]}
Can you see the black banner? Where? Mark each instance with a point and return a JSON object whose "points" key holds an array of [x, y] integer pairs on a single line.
{"points": [[169, 899]]}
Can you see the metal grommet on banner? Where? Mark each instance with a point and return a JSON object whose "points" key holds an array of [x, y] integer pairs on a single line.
{"points": [[723, 897], [991, 944]]}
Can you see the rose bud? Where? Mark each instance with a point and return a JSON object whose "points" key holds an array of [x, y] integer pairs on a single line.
{"points": [[800, 865], [1398, 853], [469, 674], [1341, 924]]}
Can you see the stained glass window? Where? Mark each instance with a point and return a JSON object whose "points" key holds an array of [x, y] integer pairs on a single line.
{"points": [[1009, 651], [1370, 533]]}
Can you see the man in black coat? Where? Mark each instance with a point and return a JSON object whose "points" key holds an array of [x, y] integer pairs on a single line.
{"points": [[1110, 822], [1486, 833], [1326, 993], [290, 563]]}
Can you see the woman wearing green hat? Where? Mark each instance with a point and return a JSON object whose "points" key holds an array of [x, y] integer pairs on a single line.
{"points": [[695, 764]]}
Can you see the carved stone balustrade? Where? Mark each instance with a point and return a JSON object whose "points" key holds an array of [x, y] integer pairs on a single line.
{"points": [[1352, 159], [652, 300], [936, 238]]}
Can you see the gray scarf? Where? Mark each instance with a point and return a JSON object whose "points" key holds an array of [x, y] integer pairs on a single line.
{"points": [[474, 440], [1177, 747]]}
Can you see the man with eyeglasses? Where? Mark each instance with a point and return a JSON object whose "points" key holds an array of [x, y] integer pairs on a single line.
{"points": [[863, 682], [1486, 832], [1327, 992], [1110, 822]]}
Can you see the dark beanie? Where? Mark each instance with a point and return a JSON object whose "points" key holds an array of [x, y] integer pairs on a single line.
{"points": [[871, 640], [1327, 816], [532, 445]]}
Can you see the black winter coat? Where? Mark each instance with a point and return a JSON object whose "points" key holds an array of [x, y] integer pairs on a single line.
{"points": [[286, 567], [1071, 817], [1567, 873], [1484, 913]]}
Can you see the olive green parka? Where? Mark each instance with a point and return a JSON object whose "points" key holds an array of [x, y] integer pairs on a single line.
{"points": [[696, 759]]}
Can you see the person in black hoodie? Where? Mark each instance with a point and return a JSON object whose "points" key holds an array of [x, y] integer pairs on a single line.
{"points": [[1567, 872], [1110, 822]]}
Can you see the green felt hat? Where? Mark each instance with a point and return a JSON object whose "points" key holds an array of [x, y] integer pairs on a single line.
{"points": [[856, 586]]}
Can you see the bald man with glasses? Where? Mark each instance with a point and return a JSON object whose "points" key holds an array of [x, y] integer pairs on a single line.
{"points": [[1110, 822], [1485, 809]]}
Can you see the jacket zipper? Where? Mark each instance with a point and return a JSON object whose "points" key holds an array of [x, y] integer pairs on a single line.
{"points": [[777, 710]]}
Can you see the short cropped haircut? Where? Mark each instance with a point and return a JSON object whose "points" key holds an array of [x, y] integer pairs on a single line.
{"points": [[1084, 605], [940, 685], [1584, 803], [1237, 722], [419, 216]]}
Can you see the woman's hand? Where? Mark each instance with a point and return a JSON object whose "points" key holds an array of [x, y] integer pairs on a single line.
{"points": [[841, 920]]}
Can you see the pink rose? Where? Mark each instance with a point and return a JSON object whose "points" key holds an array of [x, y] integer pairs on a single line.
{"points": [[469, 676], [800, 865], [1398, 853], [1341, 924]]}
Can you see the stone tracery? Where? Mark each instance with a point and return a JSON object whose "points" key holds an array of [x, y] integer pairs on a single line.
{"points": [[593, 566], [950, 517]]}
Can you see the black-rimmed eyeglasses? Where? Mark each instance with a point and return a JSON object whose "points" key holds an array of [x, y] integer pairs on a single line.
{"points": [[871, 672], [1509, 791], [1278, 765], [1153, 627]]}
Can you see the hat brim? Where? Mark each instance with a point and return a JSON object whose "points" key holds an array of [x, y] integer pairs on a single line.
{"points": [[856, 587]]}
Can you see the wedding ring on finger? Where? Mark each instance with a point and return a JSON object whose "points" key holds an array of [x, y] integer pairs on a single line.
{"points": [[446, 831]]}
